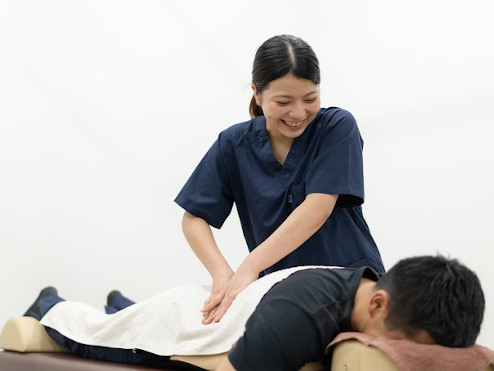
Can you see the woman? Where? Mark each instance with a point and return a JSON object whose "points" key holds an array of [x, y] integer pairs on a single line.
{"points": [[294, 172]]}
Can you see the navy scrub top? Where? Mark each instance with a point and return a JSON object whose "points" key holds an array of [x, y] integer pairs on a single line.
{"points": [[240, 168]]}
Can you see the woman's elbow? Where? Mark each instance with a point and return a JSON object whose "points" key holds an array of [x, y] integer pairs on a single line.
{"points": [[322, 206], [187, 221]]}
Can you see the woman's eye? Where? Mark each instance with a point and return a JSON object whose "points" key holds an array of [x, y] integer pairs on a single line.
{"points": [[310, 100], [282, 103]]}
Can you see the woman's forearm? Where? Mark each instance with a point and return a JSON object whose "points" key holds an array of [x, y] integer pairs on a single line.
{"points": [[200, 238], [302, 223]]}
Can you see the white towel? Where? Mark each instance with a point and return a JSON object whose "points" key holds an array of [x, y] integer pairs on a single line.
{"points": [[166, 324]]}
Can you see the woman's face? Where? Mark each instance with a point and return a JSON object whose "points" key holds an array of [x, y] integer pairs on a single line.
{"points": [[289, 104]]}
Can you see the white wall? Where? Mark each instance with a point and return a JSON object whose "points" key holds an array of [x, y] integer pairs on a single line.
{"points": [[107, 106]]}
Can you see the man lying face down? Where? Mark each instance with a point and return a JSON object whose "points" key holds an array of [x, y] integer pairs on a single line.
{"points": [[428, 299]]}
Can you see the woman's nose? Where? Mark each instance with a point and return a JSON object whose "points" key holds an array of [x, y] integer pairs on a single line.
{"points": [[297, 112]]}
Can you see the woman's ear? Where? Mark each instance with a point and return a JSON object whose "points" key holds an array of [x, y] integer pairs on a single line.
{"points": [[257, 96]]}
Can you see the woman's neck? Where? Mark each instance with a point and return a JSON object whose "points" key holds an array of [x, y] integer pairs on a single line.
{"points": [[280, 147]]}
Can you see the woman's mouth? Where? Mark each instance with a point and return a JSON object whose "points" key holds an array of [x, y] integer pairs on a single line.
{"points": [[293, 124]]}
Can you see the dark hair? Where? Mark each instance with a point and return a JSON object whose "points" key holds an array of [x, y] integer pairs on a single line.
{"points": [[435, 294], [279, 56]]}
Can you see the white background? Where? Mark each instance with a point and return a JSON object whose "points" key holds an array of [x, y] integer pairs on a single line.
{"points": [[106, 107]]}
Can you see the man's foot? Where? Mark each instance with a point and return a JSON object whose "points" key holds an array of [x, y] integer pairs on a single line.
{"points": [[113, 297], [116, 301], [35, 309]]}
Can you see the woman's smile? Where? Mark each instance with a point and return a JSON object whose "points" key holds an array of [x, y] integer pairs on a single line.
{"points": [[293, 124]]}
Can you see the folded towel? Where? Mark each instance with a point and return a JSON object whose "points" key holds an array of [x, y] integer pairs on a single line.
{"points": [[410, 356], [167, 324]]}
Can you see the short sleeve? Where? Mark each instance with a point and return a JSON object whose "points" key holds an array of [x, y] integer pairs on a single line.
{"points": [[207, 194], [338, 165], [278, 336]]}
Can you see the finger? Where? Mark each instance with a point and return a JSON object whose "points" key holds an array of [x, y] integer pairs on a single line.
{"points": [[206, 302], [215, 301], [210, 317], [222, 308], [207, 321], [210, 306]]}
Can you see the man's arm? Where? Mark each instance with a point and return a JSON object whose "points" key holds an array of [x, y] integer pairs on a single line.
{"points": [[226, 366]]}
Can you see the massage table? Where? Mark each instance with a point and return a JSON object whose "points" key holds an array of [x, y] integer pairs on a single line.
{"points": [[27, 346]]}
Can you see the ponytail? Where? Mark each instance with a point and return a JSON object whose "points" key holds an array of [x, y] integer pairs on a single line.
{"points": [[254, 109]]}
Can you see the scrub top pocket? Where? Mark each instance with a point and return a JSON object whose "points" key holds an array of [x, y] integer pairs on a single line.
{"points": [[296, 195]]}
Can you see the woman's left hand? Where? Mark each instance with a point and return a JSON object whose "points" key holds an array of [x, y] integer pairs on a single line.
{"points": [[242, 278]]}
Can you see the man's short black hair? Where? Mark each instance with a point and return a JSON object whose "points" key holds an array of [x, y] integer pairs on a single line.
{"points": [[435, 294]]}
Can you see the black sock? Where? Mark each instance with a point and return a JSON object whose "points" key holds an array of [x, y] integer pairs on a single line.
{"points": [[35, 310], [118, 301]]}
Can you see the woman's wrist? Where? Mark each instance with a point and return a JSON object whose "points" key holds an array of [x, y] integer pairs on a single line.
{"points": [[252, 263], [221, 273]]}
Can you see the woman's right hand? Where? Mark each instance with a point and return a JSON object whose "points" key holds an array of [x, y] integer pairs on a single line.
{"points": [[218, 291], [200, 238]]}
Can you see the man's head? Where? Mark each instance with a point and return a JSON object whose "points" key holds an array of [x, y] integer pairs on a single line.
{"points": [[434, 294]]}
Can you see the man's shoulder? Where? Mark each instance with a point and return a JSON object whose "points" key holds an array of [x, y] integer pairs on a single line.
{"points": [[365, 271], [329, 278]]}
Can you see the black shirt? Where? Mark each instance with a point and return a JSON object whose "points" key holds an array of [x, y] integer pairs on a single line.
{"points": [[297, 318]]}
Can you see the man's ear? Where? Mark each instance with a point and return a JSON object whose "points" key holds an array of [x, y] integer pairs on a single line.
{"points": [[257, 96], [379, 304]]}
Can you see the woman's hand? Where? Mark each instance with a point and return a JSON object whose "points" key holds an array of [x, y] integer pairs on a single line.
{"points": [[218, 290], [240, 280], [200, 237], [302, 223]]}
